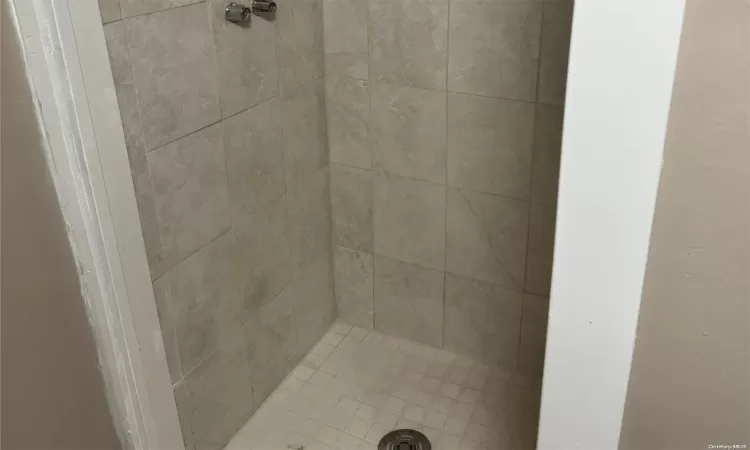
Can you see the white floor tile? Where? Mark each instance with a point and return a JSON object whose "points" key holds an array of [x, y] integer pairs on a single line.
{"points": [[357, 385]]}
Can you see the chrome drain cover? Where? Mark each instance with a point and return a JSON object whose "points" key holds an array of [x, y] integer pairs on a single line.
{"points": [[404, 440]]}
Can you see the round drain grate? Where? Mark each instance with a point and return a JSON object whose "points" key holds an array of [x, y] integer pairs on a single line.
{"points": [[404, 440]]}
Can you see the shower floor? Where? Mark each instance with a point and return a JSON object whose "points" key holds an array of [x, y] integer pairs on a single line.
{"points": [[356, 385]]}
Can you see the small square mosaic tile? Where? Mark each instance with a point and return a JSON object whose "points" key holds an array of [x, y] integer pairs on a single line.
{"points": [[356, 385]]}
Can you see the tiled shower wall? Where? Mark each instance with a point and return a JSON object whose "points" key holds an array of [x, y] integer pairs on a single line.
{"points": [[226, 131], [445, 121]]}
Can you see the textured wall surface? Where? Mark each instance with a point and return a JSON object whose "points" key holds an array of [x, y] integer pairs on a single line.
{"points": [[689, 383], [53, 392], [226, 131], [444, 122]]}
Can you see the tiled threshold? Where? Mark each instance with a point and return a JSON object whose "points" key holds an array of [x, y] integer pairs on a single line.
{"points": [[356, 385]]}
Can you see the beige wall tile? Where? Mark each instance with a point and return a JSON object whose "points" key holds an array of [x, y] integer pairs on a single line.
{"points": [[271, 340], [167, 323], [351, 204], [408, 131], [303, 123], [494, 48], [177, 94], [553, 67], [345, 88], [408, 42], [246, 60], [482, 320], [353, 277], [183, 412], [310, 219], [349, 133], [219, 393], [408, 301], [533, 334], [144, 197], [486, 237], [345, 25], [541, 248], [138, 7], [127, 98], [547, 145], [202, 300], [354, 65], [409, 220], [313, 299], [190, 193], [264, 264], [489, 144], [109, 10], [255, 162], [299, 26]]}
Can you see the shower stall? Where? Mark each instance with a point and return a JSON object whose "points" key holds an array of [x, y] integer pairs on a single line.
{"points": [[348, 208]]}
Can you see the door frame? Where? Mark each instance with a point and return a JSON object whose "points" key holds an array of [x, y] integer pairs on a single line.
{"points": [[68, 66], [622, 64]]}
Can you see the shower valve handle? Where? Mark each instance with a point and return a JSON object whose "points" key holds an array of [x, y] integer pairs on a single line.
{"points": [[237, 12]]}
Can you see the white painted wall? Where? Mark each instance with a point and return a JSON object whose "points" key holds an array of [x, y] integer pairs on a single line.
{"points": [[622, 65]]}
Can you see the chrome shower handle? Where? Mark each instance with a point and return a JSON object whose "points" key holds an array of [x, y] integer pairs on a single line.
{"points": [[237, 12]]}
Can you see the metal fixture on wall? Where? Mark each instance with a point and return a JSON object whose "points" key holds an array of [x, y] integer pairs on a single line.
{"points": [[237, 12]]}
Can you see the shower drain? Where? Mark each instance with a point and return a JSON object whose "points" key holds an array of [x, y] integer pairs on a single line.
{"points": [[404, 440]]}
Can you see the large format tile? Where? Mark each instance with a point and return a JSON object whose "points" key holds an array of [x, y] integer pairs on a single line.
{"points": [[144, 199], [138, 7], [190, 192], [408, 301], [352, 273], [547, 145], [348, 89], [313, 299], [299, 41], [486, 238], [127, 98], [409, 220], [183, 412], [255, 163], [345, 25], [245, 60], [264, 264], [177, 94], [482, 320], [310, 219], [408, 42], [271, 340], [219, 395], [533, 334], [109, 10], [494, 48], [541, 248], [353, 65], [201, 300], [408, 131], [489, 144], [351, 204], [553, 68], [349, 132], [167, 325], [303, 123]]}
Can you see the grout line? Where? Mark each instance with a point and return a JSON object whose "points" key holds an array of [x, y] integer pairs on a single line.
{"points": [[372, 159], [531, 184], [468, 94], [192, 3], [447, 158]]}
